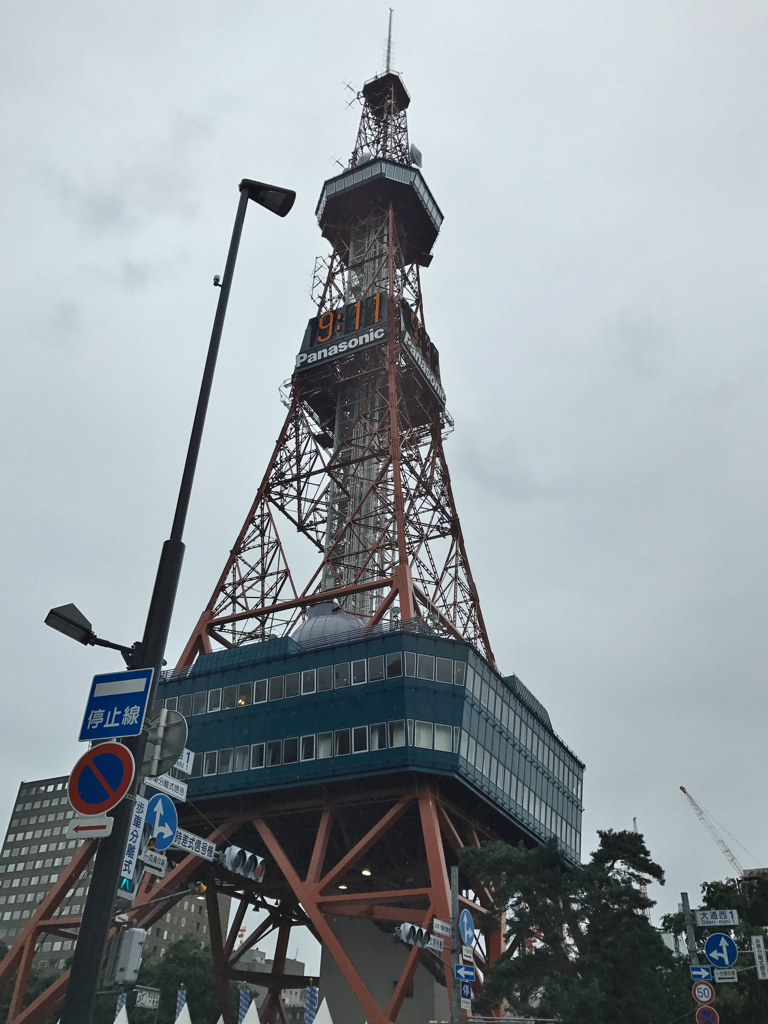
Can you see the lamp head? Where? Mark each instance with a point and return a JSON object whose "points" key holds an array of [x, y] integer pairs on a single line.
{"points": [[69, 620], [271, 197]]}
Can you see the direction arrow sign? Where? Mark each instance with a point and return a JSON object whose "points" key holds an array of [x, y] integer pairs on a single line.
{"points": [[466, 928], [464, 972], [703, 991], [155, 863], [100, 779], [701, 973], [707, 1015], [116, 705], [726, 974], [163, 820], [90, 828], [721, 950]]}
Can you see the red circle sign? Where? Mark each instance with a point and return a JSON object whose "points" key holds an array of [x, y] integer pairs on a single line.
{"points": [[101, 778], [707, 1015], [703, 992]]}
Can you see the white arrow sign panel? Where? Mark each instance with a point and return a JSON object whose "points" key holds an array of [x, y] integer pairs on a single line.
{"points": [[90, 828]]}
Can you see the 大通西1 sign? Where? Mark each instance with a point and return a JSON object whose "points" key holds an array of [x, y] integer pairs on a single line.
{"points": [[717, 918], [186, 761], [116, 705]]}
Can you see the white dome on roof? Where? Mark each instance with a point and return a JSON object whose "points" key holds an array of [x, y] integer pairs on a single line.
{"points": [[325, 621]]}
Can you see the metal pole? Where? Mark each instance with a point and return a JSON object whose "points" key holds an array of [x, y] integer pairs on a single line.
{"points": [[690, 934], [455, 940], [80, 1000]]}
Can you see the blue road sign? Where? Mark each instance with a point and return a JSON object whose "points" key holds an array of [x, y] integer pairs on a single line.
{"points": [[701, 973], [466, 990], [464, 972], [163, 820], [721, 950], [116, 705], [466, 928]]}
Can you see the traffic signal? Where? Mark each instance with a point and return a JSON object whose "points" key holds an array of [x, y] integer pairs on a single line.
{"points": [[241, 862], [413, 935]]}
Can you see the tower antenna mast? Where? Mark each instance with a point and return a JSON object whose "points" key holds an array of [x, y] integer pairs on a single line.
{"points": [[389, 42]]}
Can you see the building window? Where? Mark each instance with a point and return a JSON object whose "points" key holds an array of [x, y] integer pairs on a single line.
{"points": [[185, 705], [360, 739], [211, 762], [358, 672], [244, 695], [228, 697], [197, 767], [341, 675], [325, 678], [200, 702], [259, 691], [459, 673], [379, 736], [274, 753], [308, 681], [276, 688], [292, 681], [324, 744], [443, 670], [241, 758], [170, 705], [397, 733], [214, 699], [424, 735], [443, 738], [225, 760], [376, 668], [257, 755], [426, 669], [308, 748], [342, 742], [291, 750], [410, 663], [394, 665]]}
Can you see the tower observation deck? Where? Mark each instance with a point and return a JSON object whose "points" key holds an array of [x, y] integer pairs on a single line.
{"points": [[354, 730]]}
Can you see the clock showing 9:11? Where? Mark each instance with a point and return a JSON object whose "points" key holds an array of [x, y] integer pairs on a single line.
{"points": [[339, 332]]}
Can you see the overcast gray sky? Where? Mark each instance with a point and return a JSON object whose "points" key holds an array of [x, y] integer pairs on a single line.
{"points": [[598, 297]]}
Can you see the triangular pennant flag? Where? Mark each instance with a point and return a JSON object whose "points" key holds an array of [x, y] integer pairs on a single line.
{"points": [[122, 1017], [184, 1017], [252, 1016], [324, 1014]]}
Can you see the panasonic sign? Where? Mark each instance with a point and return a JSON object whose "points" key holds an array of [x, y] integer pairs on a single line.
{"points": [[325, 353]]}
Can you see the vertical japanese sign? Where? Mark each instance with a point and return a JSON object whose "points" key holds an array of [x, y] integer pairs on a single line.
{"points": [[116, 705], [761, 960], [133, 846]]}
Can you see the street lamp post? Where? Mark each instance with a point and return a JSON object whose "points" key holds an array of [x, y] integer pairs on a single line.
{"points": [[79, 1002]]}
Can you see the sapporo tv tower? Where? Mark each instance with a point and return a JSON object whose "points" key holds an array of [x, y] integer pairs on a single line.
{"points": [[353, 730]]}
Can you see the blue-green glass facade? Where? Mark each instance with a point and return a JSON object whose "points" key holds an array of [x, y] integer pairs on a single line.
{"points": [[273, 715]]}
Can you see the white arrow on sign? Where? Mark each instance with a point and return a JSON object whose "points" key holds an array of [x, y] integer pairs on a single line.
{"points": [[464, 973], [161, 830]]}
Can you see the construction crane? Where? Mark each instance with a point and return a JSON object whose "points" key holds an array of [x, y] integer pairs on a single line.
{"points": [[724, 848]]}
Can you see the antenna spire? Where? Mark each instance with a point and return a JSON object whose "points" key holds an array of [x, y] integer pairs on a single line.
{"points": [[389, 42]]}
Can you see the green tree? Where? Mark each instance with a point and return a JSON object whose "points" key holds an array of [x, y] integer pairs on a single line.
{"points": [[578, 943], [187, 962], [38, 983]]}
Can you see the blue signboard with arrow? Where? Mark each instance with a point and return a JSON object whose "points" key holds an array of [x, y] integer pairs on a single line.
{"points": [[163, 820]]}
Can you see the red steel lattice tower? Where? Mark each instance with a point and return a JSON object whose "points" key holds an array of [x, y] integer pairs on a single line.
{"points": [[359, 469]]}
